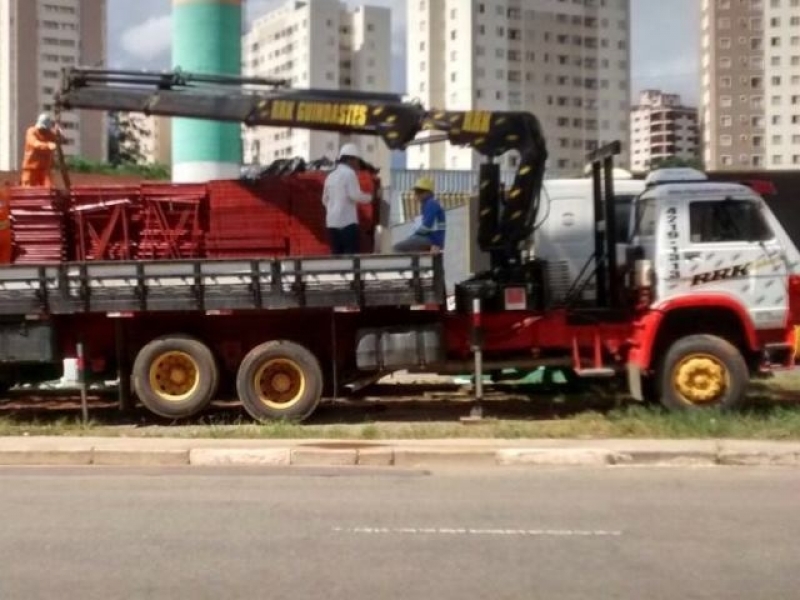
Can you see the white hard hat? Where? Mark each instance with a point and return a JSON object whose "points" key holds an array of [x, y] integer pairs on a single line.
{"points": [[349, 150], [45, 121]]}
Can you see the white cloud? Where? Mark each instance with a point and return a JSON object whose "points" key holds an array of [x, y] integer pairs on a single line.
{"points": [[150, 39]]}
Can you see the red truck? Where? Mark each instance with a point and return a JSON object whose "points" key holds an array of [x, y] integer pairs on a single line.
{"points": [[689, 307]]}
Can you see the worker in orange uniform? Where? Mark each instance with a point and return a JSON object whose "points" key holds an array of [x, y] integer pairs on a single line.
{"points": [[40, 145]]}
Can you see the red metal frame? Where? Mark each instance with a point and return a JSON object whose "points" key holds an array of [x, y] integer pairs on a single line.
{"points": [[104, 228]]}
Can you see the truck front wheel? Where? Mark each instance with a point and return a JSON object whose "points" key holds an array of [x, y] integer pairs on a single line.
{"points": [[175, 376], [703, 371], [279, 380]]}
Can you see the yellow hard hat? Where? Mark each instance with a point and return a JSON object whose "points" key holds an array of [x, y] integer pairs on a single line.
{"points": [[424, 184]]}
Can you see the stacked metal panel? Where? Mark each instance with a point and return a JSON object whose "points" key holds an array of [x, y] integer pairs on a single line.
{"points": [[308, 235], [275, 216], [248, 220], [173, 221], [105, 221], [38, 226]]}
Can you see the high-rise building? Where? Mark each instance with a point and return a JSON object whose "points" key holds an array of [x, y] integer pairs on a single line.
{"points": [[661, 128], [38, 38], [320, 44], [151, 136], [568, 63], [750, 114]]}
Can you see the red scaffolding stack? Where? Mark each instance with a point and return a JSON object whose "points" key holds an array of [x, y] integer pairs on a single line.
{"points": [[248, 220], [308, 235], [105, 221], [38, 225], [173, 221]]}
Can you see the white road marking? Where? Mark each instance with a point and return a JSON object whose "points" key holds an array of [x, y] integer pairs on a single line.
{"points": [[477, 532]]}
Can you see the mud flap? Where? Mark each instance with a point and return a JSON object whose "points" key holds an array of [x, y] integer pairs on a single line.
{"points": [[635, 382]]}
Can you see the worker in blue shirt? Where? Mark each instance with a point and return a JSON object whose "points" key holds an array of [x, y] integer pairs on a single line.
{"points": [[429, 233]]}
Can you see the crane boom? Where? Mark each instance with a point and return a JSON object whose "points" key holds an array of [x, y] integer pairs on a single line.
{"points": [[506, 219]]}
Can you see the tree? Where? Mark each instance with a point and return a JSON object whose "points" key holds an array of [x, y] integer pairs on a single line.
{"points": [[150, 172]]}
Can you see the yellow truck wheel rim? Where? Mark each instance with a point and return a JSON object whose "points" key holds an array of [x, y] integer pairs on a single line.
{"points": [[701, 379], [174, 376], [280, 383]]}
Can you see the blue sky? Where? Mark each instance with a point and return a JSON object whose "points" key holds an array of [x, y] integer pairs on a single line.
{"points": [[665, 44]]}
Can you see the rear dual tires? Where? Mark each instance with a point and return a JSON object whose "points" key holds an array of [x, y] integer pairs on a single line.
{"points": [[702, 371], [175, 376], [279, 380]]}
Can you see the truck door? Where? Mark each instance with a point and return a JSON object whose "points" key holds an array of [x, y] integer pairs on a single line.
{"points": [[732, 249]]}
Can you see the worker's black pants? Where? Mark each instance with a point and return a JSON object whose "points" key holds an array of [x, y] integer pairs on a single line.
{"points": [[345, 240]]}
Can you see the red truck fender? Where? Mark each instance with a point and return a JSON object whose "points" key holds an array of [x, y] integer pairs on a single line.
{"points": [[648, 326]]}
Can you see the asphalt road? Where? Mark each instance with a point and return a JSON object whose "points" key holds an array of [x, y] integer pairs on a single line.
{"points": [[557, 534]]}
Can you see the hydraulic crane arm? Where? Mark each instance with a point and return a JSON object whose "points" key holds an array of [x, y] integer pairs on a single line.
{"points": [[506, 220], [248, 100]]}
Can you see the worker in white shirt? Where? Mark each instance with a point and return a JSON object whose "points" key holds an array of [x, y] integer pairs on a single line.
{"points": [[340, 196]]}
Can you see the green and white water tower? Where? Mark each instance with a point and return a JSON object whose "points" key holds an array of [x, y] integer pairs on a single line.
{"points": [[206, 38]]}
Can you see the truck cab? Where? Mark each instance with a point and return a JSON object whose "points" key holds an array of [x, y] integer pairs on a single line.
{"points": [[721, 239], [710, 259]]}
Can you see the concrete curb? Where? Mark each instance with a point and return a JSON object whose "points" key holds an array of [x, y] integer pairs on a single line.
{"points": [[140, 458], [243, 457], [50, 458], [150, 452]]}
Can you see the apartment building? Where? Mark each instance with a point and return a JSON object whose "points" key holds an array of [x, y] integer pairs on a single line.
{"points": [[38, 38], [750, 114], [152, 136], [321, 44], [566, 61], [662, 127]]}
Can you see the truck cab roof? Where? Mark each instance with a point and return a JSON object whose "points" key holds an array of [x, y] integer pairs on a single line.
{"points": [[706, 190]]}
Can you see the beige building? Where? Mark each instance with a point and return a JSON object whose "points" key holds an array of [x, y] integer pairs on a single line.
{"points": [[38, 38], [661, 128], [566, 62], [154, 137], [750, 112], [319, 44]]}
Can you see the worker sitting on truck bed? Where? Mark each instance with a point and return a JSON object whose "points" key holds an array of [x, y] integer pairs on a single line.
{"points": [[40, 145], [341, 194], [430, 227]]}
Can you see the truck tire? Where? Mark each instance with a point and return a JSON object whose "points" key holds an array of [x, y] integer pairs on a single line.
{"points": [[175, 376], [703, 371], [279, 380]]}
